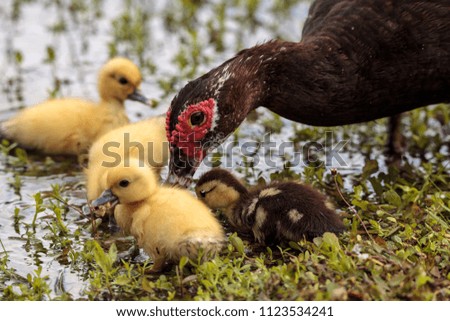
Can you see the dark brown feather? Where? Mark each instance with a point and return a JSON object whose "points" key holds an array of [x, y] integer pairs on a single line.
{"points": [[317, 217], [359, 60], [224, 177]]}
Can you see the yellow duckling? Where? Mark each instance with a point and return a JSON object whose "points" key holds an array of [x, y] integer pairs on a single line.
{"points": [[69, 125], [168, 223], [145, 140]]}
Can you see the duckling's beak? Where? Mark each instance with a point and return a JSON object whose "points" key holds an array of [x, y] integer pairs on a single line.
{"points": [[106, 197], [137, 95]]}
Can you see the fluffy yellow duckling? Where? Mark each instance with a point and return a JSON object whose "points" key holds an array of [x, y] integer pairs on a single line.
{"points": [[279, 211], [145, 140], [69, 125], [168, 223]]}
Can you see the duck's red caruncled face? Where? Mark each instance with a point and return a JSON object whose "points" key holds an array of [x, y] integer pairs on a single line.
{"points": [[192, 126]]}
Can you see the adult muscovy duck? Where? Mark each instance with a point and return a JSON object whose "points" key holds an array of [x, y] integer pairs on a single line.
{"points": [[357, 61]]}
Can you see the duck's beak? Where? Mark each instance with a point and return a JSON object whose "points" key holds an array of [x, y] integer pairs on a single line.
{"points": [[106, 197], [137, 95], [181, 169]]}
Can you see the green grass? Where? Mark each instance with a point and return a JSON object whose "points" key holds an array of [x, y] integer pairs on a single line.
{"points": [[396, 246], [405, 256]]}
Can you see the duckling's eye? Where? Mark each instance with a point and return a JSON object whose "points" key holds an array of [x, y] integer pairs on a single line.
{"points": [[124, 183], [203, 194], [123, 80], [197, 118]]}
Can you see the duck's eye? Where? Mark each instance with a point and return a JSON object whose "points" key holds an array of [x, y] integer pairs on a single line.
{"points": [[124, 183], [197, 118], [203, 194], [123, 80]]}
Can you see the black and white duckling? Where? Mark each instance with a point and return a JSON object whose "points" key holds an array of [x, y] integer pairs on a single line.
{"points": [[168, 223], [70, 125], [277, 212], [145, 140]]}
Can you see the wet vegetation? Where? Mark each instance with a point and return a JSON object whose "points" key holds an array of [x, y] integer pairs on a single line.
{"points": [[397, 244]]}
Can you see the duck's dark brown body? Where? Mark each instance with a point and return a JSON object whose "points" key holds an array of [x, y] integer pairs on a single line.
{"points": [[364, 60], [298, 211], [358, 60], [281, 211]]}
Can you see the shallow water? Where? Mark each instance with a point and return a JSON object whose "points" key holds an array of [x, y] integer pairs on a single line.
{"points": [[55, 48]]}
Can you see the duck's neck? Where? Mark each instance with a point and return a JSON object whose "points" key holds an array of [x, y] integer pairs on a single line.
{"points": [[292, 79], [300, 82]]}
